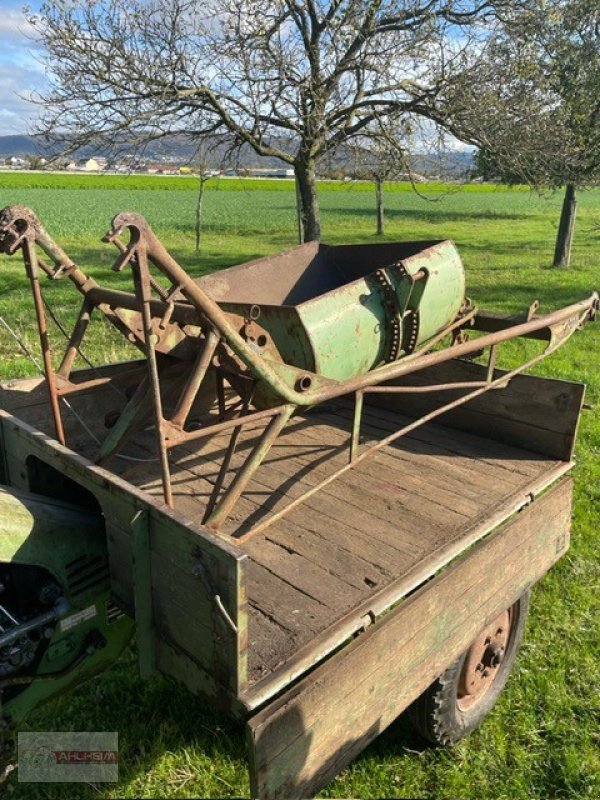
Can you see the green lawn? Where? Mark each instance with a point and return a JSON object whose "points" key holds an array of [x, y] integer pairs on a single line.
{"points": [[543, 738]]}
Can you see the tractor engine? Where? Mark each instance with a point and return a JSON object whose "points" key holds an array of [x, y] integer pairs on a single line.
{"points": [[58, 625]]}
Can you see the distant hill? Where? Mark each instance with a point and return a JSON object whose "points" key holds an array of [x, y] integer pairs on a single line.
{"points": [[19, 146], [182, 150], [172, 146]]}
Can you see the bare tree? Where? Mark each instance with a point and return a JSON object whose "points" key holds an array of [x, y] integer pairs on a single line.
{"points": [[533, 105], [291, 79], [204, 175], [381, 155]]}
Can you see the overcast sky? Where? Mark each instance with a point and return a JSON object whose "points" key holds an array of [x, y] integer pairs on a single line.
{"points": [[20, 73]]}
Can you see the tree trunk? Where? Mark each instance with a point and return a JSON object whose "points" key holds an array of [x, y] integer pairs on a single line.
{"points": [[299, 211], [307, 188], [379, 204], [199, 204], [566, 228]]}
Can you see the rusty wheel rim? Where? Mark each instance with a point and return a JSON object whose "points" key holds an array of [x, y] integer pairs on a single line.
{"points": [[482, 662]]}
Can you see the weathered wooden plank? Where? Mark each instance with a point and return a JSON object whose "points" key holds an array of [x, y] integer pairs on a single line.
{"points": [[371, 480], [363, 487], [476, 453], [269, 644], [322, 514], [382, 474], [304, 574], [289, 606], [446, 457], [283, 477], [336, 560], [406, 581], [306, 737], [540, 414]]}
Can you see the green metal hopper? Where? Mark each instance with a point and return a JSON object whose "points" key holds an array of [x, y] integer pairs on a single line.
{"points": [[339, 311]]}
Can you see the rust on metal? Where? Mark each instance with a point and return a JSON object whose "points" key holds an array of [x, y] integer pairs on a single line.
{"points": [[482, 661], [269, 337]]}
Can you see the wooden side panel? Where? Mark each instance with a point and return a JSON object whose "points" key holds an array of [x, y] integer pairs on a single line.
{"points": [[538, 414], [189, 568], [302, 740]]}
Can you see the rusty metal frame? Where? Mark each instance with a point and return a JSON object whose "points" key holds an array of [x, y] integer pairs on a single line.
{"points": [[222, 344]]}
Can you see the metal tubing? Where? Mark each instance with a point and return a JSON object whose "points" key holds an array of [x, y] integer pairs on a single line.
{"points": [[214, 495], [355, 440], [220, 393], [241, 480], [83, 320], [128, 422], [175, 437], [34, 279], [434, 387], [260, 368], [577, 313], [143, 290], [262, 371], [227, 459], [192, 387], [183, 313], [492, 363]]}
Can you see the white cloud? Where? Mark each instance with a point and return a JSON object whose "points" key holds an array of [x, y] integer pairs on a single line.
{"points": [[21, 75], [13, 23]]}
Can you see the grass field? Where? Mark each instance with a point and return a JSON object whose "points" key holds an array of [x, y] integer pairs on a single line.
{"points": [[543, 738]]}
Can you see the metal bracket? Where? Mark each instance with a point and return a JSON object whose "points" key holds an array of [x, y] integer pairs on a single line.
{"points": [[390, 300]]}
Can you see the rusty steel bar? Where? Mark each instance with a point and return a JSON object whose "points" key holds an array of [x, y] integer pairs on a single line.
{"points": [[254, 460], [576, 314], [30, 258], [81, 325], [491, 367], [141, 277], [13, 218], [557, 340], [355, 437], [176, 437], [199, 370], [235, 433], [220, 393], [183, 313], [216, 491], [434, 387]]}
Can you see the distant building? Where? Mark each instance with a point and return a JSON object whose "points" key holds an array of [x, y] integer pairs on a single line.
{"points": [[96, 164], [270, 172]]}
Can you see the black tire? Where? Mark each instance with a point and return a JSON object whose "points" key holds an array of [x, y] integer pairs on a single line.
{"points": [[444, 713]]}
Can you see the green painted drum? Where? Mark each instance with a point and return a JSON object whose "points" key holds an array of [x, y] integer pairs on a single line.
{"points": [[340, 311]]}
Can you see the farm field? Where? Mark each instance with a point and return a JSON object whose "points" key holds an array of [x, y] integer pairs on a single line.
{"points": [[542, 740]]}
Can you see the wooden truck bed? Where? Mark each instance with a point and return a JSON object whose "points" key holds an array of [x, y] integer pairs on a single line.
{"points": [[372, 535], [415, 500]]}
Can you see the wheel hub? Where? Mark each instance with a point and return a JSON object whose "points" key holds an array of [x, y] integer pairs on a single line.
{"points": [[482, 661]]}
